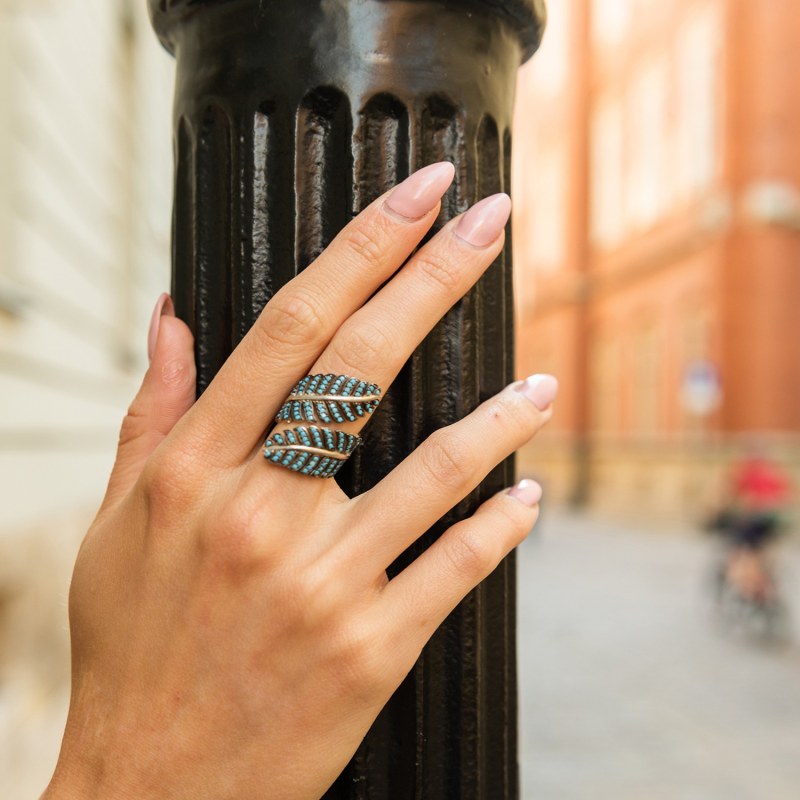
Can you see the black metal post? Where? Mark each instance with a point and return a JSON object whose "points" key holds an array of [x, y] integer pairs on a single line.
{"points": [[290, 117]]}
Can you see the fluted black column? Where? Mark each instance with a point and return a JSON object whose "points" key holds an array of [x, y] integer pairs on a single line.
{"points": [[290, 117]]}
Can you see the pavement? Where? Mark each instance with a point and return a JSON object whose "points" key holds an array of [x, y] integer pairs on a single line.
{"points": [[629, 687]]}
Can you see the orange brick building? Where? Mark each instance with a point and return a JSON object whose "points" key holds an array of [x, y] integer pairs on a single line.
{"points": [[657, 245]]}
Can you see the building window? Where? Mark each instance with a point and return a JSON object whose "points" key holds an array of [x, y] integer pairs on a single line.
{"points": [[610, 20], [648, 175], [606, 173], [699, 104], [547, 233]]}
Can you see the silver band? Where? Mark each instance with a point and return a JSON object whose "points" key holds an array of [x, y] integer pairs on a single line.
{"points": [[330, 399], [311, 450]]}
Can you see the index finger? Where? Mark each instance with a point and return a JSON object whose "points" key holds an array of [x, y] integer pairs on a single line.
{"points": [[302, 317]]}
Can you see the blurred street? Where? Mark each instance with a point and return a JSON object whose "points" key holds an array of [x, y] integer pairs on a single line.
{"points": [[628, 689]]}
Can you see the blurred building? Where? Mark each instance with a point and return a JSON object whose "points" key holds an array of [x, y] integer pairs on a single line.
{"points": [[657, 245], [85, 198]]}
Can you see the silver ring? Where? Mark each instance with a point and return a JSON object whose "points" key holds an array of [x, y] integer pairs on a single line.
{"points": [[311, 450], [320, 451], [329, 398]]}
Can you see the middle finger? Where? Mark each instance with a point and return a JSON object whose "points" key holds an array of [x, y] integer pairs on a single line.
{"points": [[378, 339]]}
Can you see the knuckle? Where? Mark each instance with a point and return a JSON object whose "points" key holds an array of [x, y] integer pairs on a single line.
{"points": [[511, 513], [309, 596], [514, 414], [134, 425], [361, 347], [292, 320], [177, 373], [235, 537], [364, 243], [169, 481], [363, 664], [438, 271], [448, 460], [512, 519], [472, 552]]}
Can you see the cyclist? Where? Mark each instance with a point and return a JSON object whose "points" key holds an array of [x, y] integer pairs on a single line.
{"points": [[759, 491]]}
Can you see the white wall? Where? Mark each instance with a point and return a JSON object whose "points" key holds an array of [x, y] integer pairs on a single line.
{"points": [[85, 149], [85, 207]]}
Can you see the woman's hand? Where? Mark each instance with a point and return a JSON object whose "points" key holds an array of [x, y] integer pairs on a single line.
{"points": [[234, 632]]}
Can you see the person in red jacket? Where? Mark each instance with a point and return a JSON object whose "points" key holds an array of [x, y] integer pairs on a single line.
{"points": [[759, 492]]}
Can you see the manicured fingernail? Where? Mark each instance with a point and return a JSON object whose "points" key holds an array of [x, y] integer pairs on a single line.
{"points": [[420, 192], [527, 492], [164, 307], [482, 223], [541, 390]]}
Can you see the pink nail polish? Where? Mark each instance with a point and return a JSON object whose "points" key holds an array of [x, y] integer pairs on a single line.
{"points": [[526, 491], [482, 223], [541, 390], [420, 192], [164, 307]]}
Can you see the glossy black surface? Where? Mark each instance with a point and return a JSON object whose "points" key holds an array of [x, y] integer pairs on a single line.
{"points": [[290, 117]]}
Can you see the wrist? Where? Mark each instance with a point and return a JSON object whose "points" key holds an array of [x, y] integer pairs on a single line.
{"points": [[74, 781], [84, 770]]}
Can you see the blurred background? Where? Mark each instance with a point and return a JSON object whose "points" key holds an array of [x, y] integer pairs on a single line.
{"points": [[657, 256], [85, 214]]}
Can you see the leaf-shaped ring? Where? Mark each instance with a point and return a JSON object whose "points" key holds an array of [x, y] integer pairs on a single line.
{"points": [[309, 450], [329, 398]]}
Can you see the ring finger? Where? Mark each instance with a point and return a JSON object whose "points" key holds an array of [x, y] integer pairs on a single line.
{"points": [[448, 465]]}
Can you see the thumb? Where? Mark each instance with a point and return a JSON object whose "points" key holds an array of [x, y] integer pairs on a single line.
{"points": [[166, 394]]}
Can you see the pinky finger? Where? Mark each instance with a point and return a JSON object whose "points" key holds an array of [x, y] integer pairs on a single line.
{"points": [[423, 594], [166, 393]]}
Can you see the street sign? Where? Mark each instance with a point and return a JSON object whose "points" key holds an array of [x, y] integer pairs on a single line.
{"points": [[701, 388]]}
